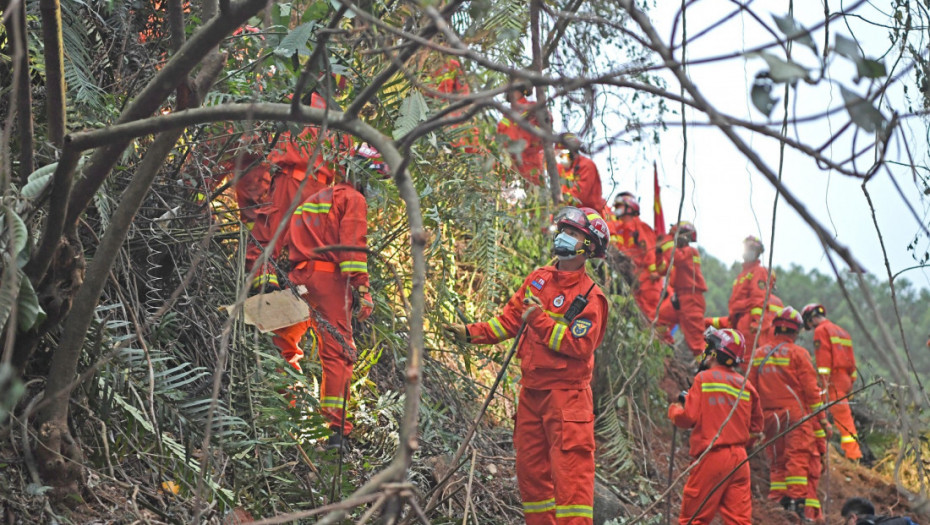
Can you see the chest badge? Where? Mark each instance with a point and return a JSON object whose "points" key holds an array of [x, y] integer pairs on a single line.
{"points": [[558, 301]]}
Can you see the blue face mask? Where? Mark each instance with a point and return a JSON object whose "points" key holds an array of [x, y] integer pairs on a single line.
{"points": [[565, 246]]}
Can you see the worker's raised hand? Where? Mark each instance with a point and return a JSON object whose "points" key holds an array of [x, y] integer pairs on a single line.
{"points": [[533, 307], [363, 302], [456, 331]]}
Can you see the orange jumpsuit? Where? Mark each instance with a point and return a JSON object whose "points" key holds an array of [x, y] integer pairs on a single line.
{"points": [[784, 376], [449, 78], [581, 184], [334, 216], [688, 281], [554, 431], [531, 164], [299, 178], [836, 365], [709, 402], [637, 241], [746, 299]]}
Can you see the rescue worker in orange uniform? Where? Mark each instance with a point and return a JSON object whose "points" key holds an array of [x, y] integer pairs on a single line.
{"points": [[449, 79], [530, 163], [704, 408], [685, 306], [784, 376], [300, 168], [836, 365], [637, 240], [565, 315], [747, 300], [337, 288], [581, 183]]}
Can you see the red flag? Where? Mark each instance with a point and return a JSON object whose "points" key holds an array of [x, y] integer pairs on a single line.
{"points": [[659, 220]]}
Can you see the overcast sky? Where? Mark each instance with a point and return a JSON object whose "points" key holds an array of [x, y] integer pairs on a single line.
{"points": [[728, 199]]}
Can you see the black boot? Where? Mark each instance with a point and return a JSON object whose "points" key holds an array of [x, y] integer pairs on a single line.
{"points": [[798, 505], [337, 441]]}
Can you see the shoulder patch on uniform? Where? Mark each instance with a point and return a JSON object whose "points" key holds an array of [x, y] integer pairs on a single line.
{"points": [[580, 327], [816, 343], [761, 284], [559, 301], [538, 283]]}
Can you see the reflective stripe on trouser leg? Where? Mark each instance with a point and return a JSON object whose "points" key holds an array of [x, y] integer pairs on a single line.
{"points": [[840, 385], [555, 454], [812, 502], [799, 444], [733, 499], [534, 472], [328, 294]]}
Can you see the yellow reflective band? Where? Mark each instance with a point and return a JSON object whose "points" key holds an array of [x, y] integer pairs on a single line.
{"points": [[848, 439], [533, 507], [841, 341], [820, 433], [816, 406], [775, 308], [776, 361], [651, 267], [668, 246], [755, 311], [353, 266], [497, 328], [265, 278], [725, 389], [314, 207], [778, 485], [796, 480], [572, 511], [505, 121], [823, 370], [813, 503], [332, 402], [853, 375], [555, 338], [696, 259]]}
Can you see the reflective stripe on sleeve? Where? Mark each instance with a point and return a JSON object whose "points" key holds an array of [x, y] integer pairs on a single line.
{"points": [[820, 433], [557, 335], [353, 266], [823, 370], [841, 341], [498, 328], [848, 439], [816, 406], [755, 311]]}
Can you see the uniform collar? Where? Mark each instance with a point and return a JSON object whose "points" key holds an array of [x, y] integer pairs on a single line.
{"points": [[751, 264], [568, 278]]}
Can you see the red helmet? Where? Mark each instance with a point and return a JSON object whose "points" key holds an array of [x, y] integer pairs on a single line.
{"points": [[809, 311], [728, 342], [627, 200], [588, 222], [788, 319], [755, 243], [686, 228]]}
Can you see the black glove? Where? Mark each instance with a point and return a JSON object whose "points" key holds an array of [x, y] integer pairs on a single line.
{"points": [[674, 300], [682, 396]]}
